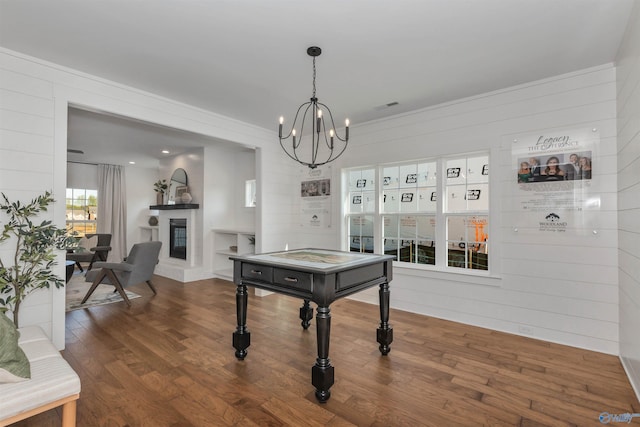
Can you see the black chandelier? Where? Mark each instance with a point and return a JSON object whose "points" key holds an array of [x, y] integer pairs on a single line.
{"points": [[323, 149]]}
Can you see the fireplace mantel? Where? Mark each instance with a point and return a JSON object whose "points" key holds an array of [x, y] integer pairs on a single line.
{"points": [[175, 207]]}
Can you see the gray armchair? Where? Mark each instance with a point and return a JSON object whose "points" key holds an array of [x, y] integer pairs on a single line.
{"points": [[91, 255], [138, 267]]}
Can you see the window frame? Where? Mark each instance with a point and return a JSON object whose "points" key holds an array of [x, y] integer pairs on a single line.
{"points": [[70, 223], [441, 216]]}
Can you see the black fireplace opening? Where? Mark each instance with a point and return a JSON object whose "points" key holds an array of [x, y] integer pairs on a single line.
{"points": [[178, 238]]}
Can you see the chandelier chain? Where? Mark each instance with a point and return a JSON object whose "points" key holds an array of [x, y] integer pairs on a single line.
{"points": [[314, 76]]}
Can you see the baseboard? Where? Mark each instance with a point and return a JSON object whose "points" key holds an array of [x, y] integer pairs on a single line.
{"points": [[632, 375]]}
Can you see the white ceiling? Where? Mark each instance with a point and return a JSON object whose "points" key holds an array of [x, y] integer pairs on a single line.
{"points": [[246, 59]]}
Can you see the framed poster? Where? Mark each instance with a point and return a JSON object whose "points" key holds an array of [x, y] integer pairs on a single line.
{"points": [[553, 179], [315, 196]]}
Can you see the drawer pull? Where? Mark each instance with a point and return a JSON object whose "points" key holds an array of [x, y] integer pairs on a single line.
{"points": [[258, 272], [291, 279]]}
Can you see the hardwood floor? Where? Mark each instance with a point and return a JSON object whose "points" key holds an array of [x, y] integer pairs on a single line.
{"points": [[168, 361]]}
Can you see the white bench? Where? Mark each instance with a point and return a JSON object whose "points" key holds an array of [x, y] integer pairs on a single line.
{"points": [[53, 383]]}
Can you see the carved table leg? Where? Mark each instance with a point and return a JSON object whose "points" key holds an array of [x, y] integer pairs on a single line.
{"points": [[322, 371], [242, 336], [385, 331], [306, 314]]}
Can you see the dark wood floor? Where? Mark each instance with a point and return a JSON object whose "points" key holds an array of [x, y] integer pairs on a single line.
{"points": [[168, 361]]}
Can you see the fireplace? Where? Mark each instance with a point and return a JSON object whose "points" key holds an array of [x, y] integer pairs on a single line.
{"points": [[178, 238]]}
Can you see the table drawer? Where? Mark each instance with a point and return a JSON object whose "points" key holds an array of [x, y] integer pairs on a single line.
{"points": [[354, 277], [257, 272], [293, 279]]}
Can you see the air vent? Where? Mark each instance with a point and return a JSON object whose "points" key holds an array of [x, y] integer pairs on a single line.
{"points": [[71, 150], [385, 106]]}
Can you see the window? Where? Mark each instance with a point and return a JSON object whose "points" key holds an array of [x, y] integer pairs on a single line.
{"points": [[250, 193], [467, 212], [402, 213], [361, 211], [82, 210], [409, 211]]}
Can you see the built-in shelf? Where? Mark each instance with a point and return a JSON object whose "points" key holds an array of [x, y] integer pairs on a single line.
{"points": [[175, 207], [228, 242], [149, 233]]}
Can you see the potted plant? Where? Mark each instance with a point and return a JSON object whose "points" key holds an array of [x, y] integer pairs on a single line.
{"points": [[34, 255], [160, 187]]}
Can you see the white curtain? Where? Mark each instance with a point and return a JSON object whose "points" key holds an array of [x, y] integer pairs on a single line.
{"points": [[112, 209]]}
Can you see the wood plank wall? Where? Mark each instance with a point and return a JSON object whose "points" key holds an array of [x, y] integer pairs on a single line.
{"points": [[558, 288], [628, 77]]}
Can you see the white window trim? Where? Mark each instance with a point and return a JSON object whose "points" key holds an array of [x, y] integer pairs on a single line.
{"points": [[441, 267]]}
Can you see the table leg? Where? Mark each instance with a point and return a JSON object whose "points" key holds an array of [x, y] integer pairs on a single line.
{"points": [[306, 314], [385, 331], [242, 336], [322, 371]]}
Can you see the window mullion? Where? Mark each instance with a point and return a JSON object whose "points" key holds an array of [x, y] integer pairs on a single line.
{"points": [[378, 233], [441, 223]]}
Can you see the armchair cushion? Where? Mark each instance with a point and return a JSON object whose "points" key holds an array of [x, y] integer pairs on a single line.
{"points": [[88, 243]]}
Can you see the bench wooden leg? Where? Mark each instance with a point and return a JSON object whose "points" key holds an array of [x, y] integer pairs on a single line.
{"points": [[69, 414]]}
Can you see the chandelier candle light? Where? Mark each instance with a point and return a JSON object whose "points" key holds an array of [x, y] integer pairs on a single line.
{"points": [[323, 149]]}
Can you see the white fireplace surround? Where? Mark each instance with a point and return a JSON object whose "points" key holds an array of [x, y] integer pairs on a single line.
{"points": [[175, 268]]}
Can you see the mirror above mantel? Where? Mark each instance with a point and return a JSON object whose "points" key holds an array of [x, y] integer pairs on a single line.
{"points": [[178, 185]]}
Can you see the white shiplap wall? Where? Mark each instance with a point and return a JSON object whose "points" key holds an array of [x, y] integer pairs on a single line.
{"points": [[628, 79], [567, 299], [560, 289], [33, 114]]}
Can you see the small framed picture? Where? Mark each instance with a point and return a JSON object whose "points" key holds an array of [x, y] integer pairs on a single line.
{"points": [[180, 191]]}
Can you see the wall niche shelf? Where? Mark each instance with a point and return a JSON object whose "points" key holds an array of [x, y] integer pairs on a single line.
{"points": [[149, 233], [230, 242], [175, 207]]}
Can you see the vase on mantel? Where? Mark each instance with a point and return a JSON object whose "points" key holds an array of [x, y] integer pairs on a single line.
{"points": [[186, 198], [159, 197]]}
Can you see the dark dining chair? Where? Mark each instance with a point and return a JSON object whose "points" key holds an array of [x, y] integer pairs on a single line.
{"points": [[99, 252]]}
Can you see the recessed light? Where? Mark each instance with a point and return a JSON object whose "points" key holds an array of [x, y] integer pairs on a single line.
{"points": [[165, 151], [132, 163]]}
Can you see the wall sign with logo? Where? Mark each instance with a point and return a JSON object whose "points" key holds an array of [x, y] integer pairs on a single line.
{"points": [[553, 180], [315, 194]]}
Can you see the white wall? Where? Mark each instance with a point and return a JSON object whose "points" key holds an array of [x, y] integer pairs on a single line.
{"points": [[572, 299], [35, 96], [244, 169], [81, 175], [558, 289], [628, 79], [140, 195]]}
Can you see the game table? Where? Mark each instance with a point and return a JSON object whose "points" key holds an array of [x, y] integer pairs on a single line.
{"points": [[317, 275]]}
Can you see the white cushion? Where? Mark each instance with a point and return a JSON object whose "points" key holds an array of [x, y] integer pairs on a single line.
{"points": [[51, 376], [88, 243]]}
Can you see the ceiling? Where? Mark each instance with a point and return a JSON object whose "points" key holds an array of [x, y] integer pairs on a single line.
{"points": [[246, 59]]}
